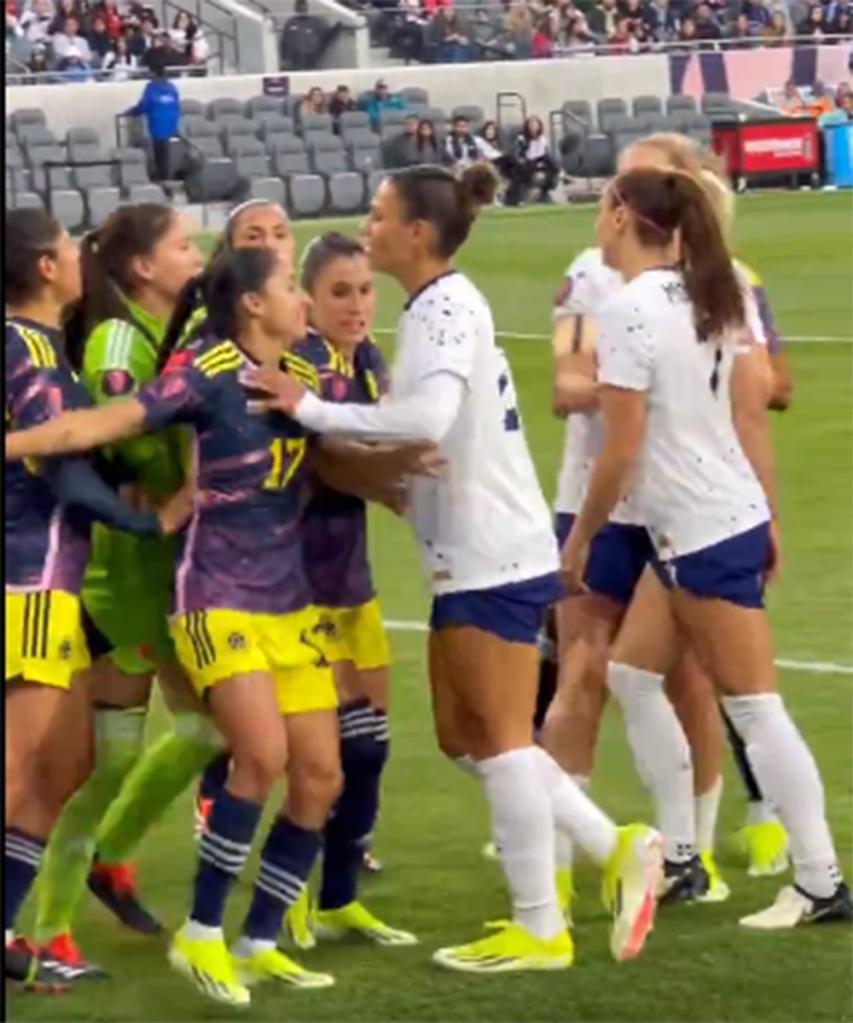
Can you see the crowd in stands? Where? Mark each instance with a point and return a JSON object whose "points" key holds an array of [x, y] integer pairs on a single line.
{"points": [[439, 31], [109, 39], [818, 102]]}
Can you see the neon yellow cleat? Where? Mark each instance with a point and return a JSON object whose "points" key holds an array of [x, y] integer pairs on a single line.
{"points": [[299, 922], [718, 890], [355, 919], [271, 964], [565, 892], [766, 845], [206, 963], [511, 949], [631, 878], [490, 851]]}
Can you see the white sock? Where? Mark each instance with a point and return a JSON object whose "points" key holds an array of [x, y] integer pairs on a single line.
{"points": [[523, 830], [200, 932], [10, 937], [661, 754], [565, 846], [575, 813], [468, 765], [246, 947], [758, 812], [790, 781], [707, 807]]}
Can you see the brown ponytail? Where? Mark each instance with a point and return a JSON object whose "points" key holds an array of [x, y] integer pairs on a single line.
{"points": [[665, 202]]}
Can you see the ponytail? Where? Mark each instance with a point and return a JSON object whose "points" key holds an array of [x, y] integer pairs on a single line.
{"points": [[234, 274], [665, 202]]}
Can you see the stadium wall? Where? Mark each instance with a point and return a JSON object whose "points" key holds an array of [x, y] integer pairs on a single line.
{"points": [[545, 87]]}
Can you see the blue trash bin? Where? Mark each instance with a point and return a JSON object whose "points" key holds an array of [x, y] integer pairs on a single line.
{"points": [[838, 148]]}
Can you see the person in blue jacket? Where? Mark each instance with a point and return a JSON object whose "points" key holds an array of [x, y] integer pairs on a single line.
{"points": [[160, 105]]}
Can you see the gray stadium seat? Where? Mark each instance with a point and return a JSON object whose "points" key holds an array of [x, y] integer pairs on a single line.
{"points": [[17, 171], [27, 201], [365, 156], [578, 110], [243, 145], [199, 128], [192, 108], [391, 117], [37, 156], [642, 105], [717, 102], [272, 189], [596, 156], [312, 137], [316, 123], [286, 163], [212, 180], [100, 203], [438, 118], [92, 177], [413, 96], [608, 109], [236, 124], [359, 136], [307, 195], [268, 123], [26, 116], [346, 192], [132, 168], [680, 105], [354, 119], [67, 206], [216, 108], [82, 137], [259, 105], [146, 193], [474, 115], [328, 155], [290, 104], [698, 127], [252, 162], [374, 180], [204, 138], [36, 135]]}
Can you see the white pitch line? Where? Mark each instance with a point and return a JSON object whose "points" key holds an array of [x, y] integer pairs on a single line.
{"points": [[547, 337], [815, 667]]}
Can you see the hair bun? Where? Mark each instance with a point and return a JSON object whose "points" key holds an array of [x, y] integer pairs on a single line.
{"points": [[478, 185]]}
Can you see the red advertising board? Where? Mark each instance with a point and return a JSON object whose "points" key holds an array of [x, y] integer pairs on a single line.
{"points": [[775, 146]]}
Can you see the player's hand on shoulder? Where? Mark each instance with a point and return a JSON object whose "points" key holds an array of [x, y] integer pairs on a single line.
{"points": [[279, 392]]}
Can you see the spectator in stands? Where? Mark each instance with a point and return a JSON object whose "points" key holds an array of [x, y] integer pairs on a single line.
{"points": [[791, 103], [662, 20], [757, 14], [543, 39], [446, 38], [602, 19], [820, 102], [341, 102], [137, 42], [71, 50], [533, 164], [428, 150], [99, 40], [38, 62], [460, 148], [622, 40], [777, 31], [402, 150], [382, 99], [842, 90], [489, 145], [182, 31], [841, 23], [486, 35], [741, 31], [303, 39], [706, 24], [519, 31], [36, 19], [813, 25], [120, 62], [108, 10], [67, 9], [314, 102], [160, 105], [161, 54], [687, 32]]}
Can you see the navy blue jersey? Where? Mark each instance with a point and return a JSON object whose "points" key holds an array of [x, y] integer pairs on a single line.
{"points": [[335, 524], [44, 549], [242, 549]]}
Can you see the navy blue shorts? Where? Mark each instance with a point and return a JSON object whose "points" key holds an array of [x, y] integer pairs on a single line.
{"points": [[618, 556], [515, 612], [731, 570]]}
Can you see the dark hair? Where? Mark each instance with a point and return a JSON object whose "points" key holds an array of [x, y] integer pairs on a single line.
{"points": [[449, 203], [234, 274], [321, 252], [526, 130], [28, 234], [666, 202]]}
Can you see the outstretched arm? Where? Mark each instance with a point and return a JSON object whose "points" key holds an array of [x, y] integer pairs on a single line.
{"points": [[575, 386], [78, 486], [76, 431]]}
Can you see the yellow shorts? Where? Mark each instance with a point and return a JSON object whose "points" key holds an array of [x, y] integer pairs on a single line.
{"points": [[359, 635], [214, 645], [44, 637]]}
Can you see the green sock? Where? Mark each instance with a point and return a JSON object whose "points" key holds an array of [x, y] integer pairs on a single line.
{"points": [[163, 772], [119, 735]]}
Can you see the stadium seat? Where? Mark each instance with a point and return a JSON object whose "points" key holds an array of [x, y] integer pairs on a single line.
{"points": [[16, 170], [100, 203], [578, 110], [37, 157], [252, 163], [391, 117], [359, 136], [132, 168], [714, 103], [365, 156], [289, 160], [374, 180], [271, 189], [311, 123], [353, 120], [346, 192], [642, 105], [597, 156], [268, 123], [146, 193], [328, 155], [200, 128], [213, 179], [607, 110], [192, 108], [260, 105], [217, 108], [307, 195], [474, 115], [26, 116], [236, 124], [680, 105], [413, 96], [36, 135], [438, 118], [27, 201], [698, 127], [67, 206]]}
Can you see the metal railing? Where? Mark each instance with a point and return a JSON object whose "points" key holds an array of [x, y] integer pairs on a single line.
{"points": [[104, 75]]}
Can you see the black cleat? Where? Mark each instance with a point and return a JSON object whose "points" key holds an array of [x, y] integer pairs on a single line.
{"points": [[114, 886], [683, 882], [63, 950], [24, 966], [794, 907]]}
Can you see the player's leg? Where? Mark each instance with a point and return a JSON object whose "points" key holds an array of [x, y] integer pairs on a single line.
{"points": [[643, 653], [729, 629], [692, 694]]}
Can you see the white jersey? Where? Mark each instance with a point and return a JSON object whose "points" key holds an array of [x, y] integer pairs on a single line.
{"points": [[588, 284], [484, 522], [695, 484]]}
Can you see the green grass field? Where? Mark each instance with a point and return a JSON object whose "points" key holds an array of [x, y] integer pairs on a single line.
{"points": [[698, 965]]}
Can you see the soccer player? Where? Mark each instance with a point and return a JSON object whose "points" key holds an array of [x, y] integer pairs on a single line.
{"points": [[48, 507], [337, 277], [245, 629], [484, 532], [681, 416], [134, 267]]}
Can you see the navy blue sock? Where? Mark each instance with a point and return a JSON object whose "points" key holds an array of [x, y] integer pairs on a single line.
{"points": [[222, 852], [21, 861], [215, 776], [364, 750], [286, 861]]}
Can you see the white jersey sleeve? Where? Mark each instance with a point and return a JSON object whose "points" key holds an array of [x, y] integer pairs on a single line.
{"points": [[586, 286], [443, 333], [625, 346]]}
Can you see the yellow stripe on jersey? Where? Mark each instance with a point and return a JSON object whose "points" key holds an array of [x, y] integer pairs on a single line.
{"points": [[39, 348], [752, 277], [372, 385], [220, 359], [302, 370]]}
